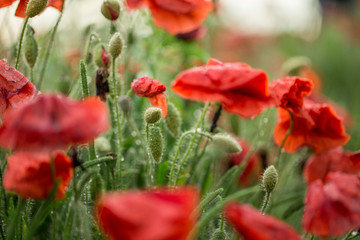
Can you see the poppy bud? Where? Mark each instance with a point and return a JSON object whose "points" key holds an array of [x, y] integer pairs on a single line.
{"points": [[124, 104], [226, 142], [97, 186], [35, 7], [173, 120], [152, 115], [116, 45], [270, 179], [101, 56], [30, 48], [219, 235], [156, 143], [102, 145], [110, 9]]}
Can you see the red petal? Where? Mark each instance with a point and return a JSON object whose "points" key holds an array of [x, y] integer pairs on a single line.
{"points": [[21, 9], [58, 4], [5, 3], [132, 4], [159, 101], [147, 87]]}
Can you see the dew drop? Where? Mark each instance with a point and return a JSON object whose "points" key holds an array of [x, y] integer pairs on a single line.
{"points": [[133, 133], [137, 142]]}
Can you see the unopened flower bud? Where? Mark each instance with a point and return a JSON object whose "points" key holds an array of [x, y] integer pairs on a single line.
{"points": [[124, 104], [226, 142], [102, 145], [173, 120], [156, 143], [270, 179], [152, 115], [219, 235], [30, 48], [101, 56], [35, 7], [115, 45], [110, 9]]}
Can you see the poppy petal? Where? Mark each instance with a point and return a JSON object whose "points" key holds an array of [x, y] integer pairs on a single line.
{"points": [[58, 4], [6, 3], [132, 4], [21, 9], [159, 100]]}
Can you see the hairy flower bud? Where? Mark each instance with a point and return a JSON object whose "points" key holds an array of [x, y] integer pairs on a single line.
{"points": [[35, 7], [156, 143], [226, 142], [152, 115], [102, 145], [115, 45], [30, 48], [173, 120], [270, 179], [110, 9], [101, 56], [124, 104], [219, 235]]}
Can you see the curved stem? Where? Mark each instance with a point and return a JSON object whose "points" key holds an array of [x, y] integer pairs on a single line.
{"points": [[87, 54], [192, 141], [277, 160], [266, 202], [20, 43], [47, 55]]}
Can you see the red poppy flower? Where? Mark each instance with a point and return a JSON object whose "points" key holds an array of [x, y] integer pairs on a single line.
{"points": [[288, 93], [332, 209], [153, 90], [148, 215], [29, 174], [253, 225], [53, 122], [323, 132], [253, 169], [15, 88], [333, 160], [176, 16], [239, 88], [21, 9]]}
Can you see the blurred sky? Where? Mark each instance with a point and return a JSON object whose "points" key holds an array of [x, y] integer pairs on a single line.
{"points": [[261, 17]]}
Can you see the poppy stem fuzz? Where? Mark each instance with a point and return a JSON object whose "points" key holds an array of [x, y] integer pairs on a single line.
{"points": [[20, 43]]}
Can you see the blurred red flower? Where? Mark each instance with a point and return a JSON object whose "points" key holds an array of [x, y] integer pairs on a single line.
{"points": [[253, 225], [53, 122], [15, 88], [176, 16], [29, 174], [159, 214], [253, 168], [21, 9], [324, 130], [332, 208], [239, 88], [288, 93], [333, 160], [153, 90]]}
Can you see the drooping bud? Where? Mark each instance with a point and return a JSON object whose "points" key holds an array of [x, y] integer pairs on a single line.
{"points": [[124, 104], [270, 179], [102, 145], [156, 143], [35, 7], [102, 56], [30, 48], [110, 9], [97, 186], [219, 235], [102, 84], [152, 115], [115, 45], [227, 143], [173, 120]]}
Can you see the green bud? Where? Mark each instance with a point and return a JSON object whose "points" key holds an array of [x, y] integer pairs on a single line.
{"points": [[294, 64], [110, 9], [173, 120], [97, 186], [35, 7], [115, 45], [152, 115], [124, 104], [226, 142], [156, 143], [102, 145], [30, 48], [270, 179], [102, 56], [219, 235]]}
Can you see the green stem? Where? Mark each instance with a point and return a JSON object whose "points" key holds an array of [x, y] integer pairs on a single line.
{"points": [[20, 43], [277, 160], [348, 236], [32, 75], [97, 161], [192, 141], [84, 83], [49, 47], [266, 202], [76, 197], [87, 54], [211, 196], [12, 228]]}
